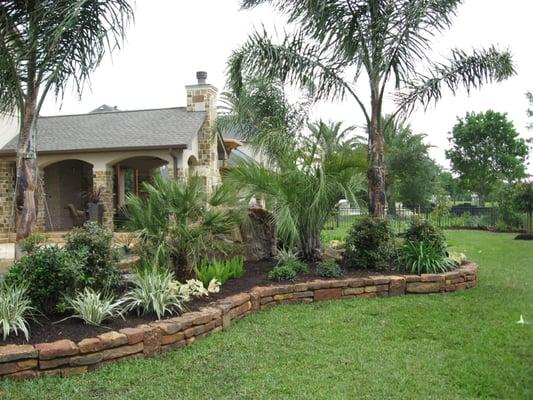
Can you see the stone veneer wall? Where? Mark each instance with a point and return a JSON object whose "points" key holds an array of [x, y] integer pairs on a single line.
{"points": [[64, 357], [104, 179], [7, 188]]}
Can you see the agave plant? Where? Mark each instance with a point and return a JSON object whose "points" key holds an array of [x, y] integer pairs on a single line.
{"points": [[15, 308], [155, 290], [93, 307], [425, 258]]}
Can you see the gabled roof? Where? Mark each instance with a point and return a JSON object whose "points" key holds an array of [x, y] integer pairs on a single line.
{"points": [[118, 130]]}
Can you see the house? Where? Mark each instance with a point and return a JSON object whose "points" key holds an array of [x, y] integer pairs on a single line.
{"points": [[115, 151]]}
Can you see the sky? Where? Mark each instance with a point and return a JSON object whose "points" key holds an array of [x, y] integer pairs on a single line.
{"points": [[172, 39]]}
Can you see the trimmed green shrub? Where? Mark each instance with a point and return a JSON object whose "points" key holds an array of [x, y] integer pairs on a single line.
{"points": [[95, 243], [298, 266], [49, 273], [425, 231], [282, 273], [329, 269], [222, 271], [370, 245], [425, 258]]}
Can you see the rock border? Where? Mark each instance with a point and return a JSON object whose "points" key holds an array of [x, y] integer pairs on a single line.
{"points": [[65, 358]]}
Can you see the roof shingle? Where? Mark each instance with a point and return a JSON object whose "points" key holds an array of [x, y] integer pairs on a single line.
{"points": [[157, 128]]}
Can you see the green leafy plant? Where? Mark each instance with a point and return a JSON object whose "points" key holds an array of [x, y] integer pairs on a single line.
{"points": [[178, 223], [298, 266], [370, 245], [285, 256], [49, 273], [99, 267], [282, 273], [425, 258], [329, 269], [458, 258], [425, 231], [15, 309], [156, 291], [93, 307], [221, 271]]}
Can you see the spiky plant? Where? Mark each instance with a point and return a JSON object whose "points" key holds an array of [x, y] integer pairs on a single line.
{"points": [[93, 307], [154, 291], [15, 309], [425, 258], [178, 222]]}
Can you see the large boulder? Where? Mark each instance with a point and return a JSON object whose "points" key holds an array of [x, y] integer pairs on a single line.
{"points": [[259, 235]]}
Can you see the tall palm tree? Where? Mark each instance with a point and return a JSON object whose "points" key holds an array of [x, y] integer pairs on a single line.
{"points": [[339, 43], [44, 44], [304, 187]]}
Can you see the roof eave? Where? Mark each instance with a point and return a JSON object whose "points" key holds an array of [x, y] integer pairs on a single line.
{"points": [[11, 152]]}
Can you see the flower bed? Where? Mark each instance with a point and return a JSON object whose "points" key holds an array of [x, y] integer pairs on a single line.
{"points": [[65, 357]]}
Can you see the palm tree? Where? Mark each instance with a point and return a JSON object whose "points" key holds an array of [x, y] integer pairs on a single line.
{"points": [[178, 223], [44, 44], [304, 187], [385, 42]]}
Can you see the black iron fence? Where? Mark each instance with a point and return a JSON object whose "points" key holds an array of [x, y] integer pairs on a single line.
{"points": [[457, 217]]}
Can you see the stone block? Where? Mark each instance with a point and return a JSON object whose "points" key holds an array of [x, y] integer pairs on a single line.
{"points": [[412, 278], [151, 342], [86, 359], [423, 287], [380, 279], [266, 300], [13, 352], [235, 312], [60, 348], [22, 375], [236, 300], [71, 371], [169, 339], [286, 296], [56, 362], [432, 278], [350, 291], [90, 345], [135, 335], [123, 351], [113, 339], [355, 282], [328, 294], [17, 366]]}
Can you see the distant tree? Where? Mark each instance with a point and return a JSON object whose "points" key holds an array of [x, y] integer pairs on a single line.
{"points": [[384, 44], [485, 149], [451, 186], [529, 111], [524, 202], [44, 45], [410, 172]]}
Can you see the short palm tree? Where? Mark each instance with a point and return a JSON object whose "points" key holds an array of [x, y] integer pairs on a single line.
{"points": [[303, 188], [44, 44], [386, 43], [179, 223]]}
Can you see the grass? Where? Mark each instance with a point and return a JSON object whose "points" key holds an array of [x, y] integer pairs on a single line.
{"points": [[464, 345]]}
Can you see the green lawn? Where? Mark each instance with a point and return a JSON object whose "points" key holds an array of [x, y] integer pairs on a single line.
{"points": [[446, 346]]}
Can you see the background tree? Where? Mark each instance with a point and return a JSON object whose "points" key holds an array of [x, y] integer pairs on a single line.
{"points": [[451, 186], [44, 44], [485, 149], [529, 111], [410, 172], [339, 43], [524, 203]]}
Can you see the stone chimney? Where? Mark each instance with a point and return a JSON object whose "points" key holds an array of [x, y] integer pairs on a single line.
{"points": [[202, 97]]}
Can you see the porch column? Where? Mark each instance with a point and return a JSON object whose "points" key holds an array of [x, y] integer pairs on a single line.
{"points": [[104, 179], [41, 206], [7, 189]]}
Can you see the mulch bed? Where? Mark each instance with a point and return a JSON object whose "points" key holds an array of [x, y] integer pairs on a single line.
{"points": [[46, 330]]}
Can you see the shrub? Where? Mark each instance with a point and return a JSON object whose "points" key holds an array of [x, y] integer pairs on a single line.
{"points": [[298, 266], [329, 269], [49, 273], [221, 271], [94, 307], [282, 273], [425, 258], [96, 244], [15, 308], [370, 244], [285, 256], [458, 258], [425, 231], [156, 291]]}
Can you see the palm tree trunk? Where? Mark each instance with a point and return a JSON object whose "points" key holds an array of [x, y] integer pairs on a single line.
{"points": [[26, 187], [377, 198], [310, 246]]}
